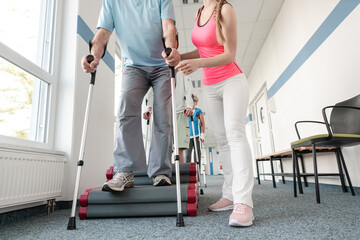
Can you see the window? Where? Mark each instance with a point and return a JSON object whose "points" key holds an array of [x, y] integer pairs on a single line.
{"points": [[26, 67]]}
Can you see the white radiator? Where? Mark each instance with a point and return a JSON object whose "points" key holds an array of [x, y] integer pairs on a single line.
{"points": [[29, 175]]}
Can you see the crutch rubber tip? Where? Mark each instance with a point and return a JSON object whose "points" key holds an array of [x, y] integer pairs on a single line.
{"points": [[205, 185], [201, 192], [72, 223], [180, 220]]}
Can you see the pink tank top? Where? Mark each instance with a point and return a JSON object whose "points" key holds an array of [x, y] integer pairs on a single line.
{"points": [[204, 38]]}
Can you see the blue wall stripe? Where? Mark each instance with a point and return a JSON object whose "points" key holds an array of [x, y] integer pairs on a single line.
{"points": [[248, 118], [335, 18], [85, 33]]}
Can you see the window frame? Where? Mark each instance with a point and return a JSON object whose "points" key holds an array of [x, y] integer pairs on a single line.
{"points": [[46, 73]]}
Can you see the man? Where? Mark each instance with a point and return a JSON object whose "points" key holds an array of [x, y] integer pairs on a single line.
{"points": [[199, 136], [184, 102], [140, 26]]}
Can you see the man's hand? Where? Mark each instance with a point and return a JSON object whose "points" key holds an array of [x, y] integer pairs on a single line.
{"points": [[89, 67], [147, 114], [97, 50], [173, 59], [188, 112], [202, 137]]}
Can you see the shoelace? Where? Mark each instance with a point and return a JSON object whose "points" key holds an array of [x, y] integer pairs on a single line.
{"points": [[120, 176], [239, 208]]}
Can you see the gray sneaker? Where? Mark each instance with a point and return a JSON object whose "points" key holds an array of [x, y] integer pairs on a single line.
{"points": [[119, 182], [161, 180]]}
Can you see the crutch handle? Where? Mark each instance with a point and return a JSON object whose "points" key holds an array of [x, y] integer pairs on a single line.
{"points": [[168, 51], [148, 121], [89, 59]]}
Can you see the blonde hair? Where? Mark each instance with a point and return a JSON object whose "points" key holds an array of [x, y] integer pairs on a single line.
{"points": [[218, 19]]}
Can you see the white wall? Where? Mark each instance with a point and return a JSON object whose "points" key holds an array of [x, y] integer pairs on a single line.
{"points": [[330, 75], [72, 97]]}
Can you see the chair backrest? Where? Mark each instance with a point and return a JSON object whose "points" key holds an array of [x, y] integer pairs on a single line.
{"points": [[346, 120]]}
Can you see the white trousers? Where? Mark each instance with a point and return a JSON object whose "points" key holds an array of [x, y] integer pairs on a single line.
{"points": [[226, 106]]}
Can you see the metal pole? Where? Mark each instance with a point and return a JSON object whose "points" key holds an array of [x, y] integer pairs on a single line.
{"points": [[146, 140], [201, 150], [180, 218], [196, 155], [72, 220]]}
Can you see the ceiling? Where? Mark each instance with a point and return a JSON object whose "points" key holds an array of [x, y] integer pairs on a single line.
{"points": [[254, 19]]}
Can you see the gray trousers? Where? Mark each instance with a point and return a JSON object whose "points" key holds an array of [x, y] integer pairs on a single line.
{"points": [[188, 152], [129, 153]]}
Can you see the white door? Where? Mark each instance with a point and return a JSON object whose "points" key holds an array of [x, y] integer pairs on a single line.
{"points": [[263, 134]]}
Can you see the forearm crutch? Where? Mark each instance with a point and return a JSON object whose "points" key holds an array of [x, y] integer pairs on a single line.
{"points": [[196, 155], [180, 218], [80, 163], [146, 137], [201, 148]]}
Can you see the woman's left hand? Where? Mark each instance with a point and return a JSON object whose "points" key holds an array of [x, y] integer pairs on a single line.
{"points": [[189, 66]]}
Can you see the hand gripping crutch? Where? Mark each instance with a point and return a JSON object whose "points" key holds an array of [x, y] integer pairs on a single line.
{"points": [[196, 155], [201, 148], [180, 218], [80, 163]]}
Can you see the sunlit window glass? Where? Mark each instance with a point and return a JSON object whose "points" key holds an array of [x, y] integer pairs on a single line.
{"points": [[21, 95]]}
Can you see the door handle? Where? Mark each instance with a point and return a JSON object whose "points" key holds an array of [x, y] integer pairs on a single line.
{"points": [[261, 115]]}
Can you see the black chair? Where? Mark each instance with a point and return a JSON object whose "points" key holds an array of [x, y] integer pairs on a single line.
{"points": [[343, 130]]}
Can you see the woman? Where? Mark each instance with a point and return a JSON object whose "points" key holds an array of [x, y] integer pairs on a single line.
{"points": [[225, 92]]}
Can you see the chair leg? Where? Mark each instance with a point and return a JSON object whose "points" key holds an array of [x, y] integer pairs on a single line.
{"points": [[257, 169], [341, 174], [294, 172], [272, 172], [282, 170], [298, 174], [316, 174], [346, 172], [303, 170]]}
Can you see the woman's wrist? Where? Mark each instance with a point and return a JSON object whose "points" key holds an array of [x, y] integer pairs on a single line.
{"points": [[200, 63]]}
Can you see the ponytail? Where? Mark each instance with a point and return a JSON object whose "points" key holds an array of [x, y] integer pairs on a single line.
{"points": [[218, 19]]}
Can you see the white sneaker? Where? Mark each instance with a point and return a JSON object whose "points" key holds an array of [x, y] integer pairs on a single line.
{"points": [[119, 182], [161, 180]]}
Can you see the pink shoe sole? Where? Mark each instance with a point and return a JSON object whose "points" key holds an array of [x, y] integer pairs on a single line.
{"points": [[235, 223], [222, 209]]}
